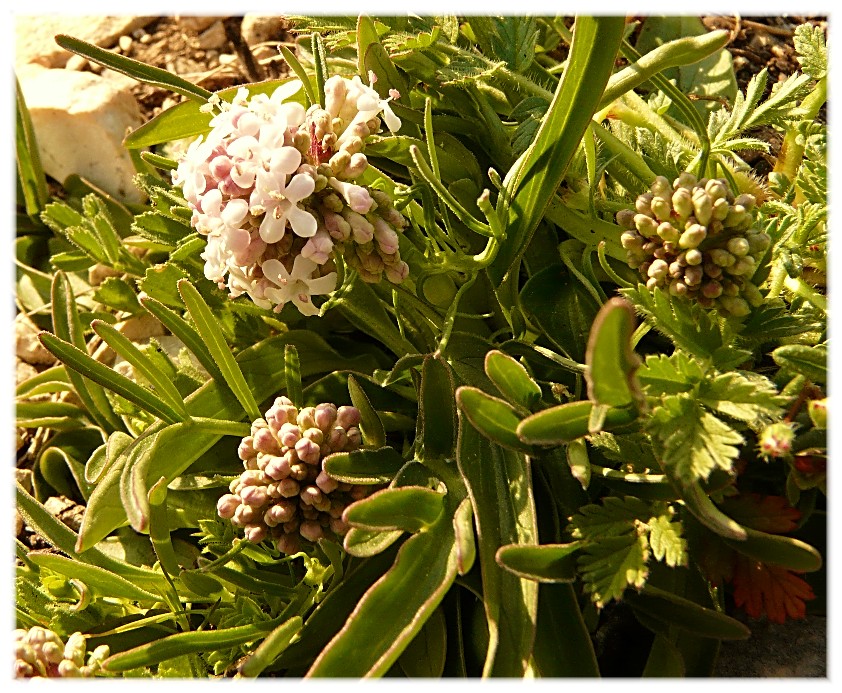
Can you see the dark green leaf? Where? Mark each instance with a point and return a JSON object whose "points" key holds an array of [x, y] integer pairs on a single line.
{"points": [[408, 508], [364, 466], [437, 408], [544, 563], [611, 362], [512, 379], [424, 656], [370, 423], [495, 419]]}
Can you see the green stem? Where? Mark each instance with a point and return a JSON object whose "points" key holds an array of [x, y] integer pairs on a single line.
{"points": [[792, 150], [630, 158], [808, 293]]}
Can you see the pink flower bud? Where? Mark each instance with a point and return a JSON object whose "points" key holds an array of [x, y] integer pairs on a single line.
{"points": [[289, 434], [310, 495], [315, 435], [338, 526], [326, 483], [289, 488], [325, 416], [361, 228], [307, 451], [227, 505], [398, 273], [243, 515], [255, 496], [347, 416], [264, 441], [338, 439], [305, 418], [385, 236], [336, 226], [278, 514], [246, 449], [358, 492], [312, 531], [288, 544], [278, 467], [299, 471], [318, 248], [255, 533], [354, 439]]}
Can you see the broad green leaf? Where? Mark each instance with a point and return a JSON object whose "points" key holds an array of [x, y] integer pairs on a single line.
{"points": [[562, 308], [686, 614], [664, 660], [567, 422], [187, 643], [370, 424], [811, 362], [775, 549], [437, 408], [215, 341], [495, 419], [364, 466], [79, 361], [363, 543], [395, 608], [424, 656], [563, 646], [533, 180], [498, 482], [544, 563], [103, 582], [512, 379], [50, 414], [408, 508], [133, 68], [611, 362]]}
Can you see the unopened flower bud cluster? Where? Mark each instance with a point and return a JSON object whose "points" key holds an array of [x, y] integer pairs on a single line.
{"points": [[284, 492], [271, 186], [696, 239], [40, 652]]}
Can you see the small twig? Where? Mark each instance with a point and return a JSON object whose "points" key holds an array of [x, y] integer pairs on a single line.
{"points": [[254, 72]]}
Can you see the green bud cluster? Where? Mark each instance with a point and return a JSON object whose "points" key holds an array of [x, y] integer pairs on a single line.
{"points": [[696, 239], [285, 493], [41, 653]]}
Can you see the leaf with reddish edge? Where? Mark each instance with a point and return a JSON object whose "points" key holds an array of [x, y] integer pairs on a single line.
{"points": [[769, 590]]}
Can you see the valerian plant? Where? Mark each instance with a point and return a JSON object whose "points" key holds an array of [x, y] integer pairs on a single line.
{"points": [[486, 339]]}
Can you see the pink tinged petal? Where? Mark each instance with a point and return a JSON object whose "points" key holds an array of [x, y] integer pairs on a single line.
{"points": [[243, 147], [295, 114], [248, 124], [285, 160], [211, 202], [235, 211], [237, 240], [304, 305], [302, 269], [300, 187], [303, 223], [243, 175], [220, 166], [323, 285]]}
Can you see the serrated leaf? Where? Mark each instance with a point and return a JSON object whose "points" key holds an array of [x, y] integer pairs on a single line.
{"points": [[745, 396], [810, 362], [612, 564], [811, 50], [693, 442], [670, 374], [615, 517], [510, 39], [666, 541], [117, 293], [769, 590]]}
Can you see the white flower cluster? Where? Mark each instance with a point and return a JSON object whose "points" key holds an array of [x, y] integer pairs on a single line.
{"points": [[270, 188], [284, 492], [40, 652]]}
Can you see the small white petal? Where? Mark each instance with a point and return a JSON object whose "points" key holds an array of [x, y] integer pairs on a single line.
{"points": [[235, 211], [300, 187], [323, 285], [303, 223]]}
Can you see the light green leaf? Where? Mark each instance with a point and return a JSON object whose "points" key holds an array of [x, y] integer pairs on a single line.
{"points": [[693, 442], [666, 541], [495, 419], [809, 361], [364, 466], [408, 508], [609, 358], [612, 564], [745, 396], [512, 379], [615, 517], [811, 50], [543, 563], [670, 374]]}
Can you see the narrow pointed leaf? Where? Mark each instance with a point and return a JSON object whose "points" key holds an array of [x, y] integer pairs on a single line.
{"points": [[109, 378], [124, 347], [438, 408], [370, 423], [271, 648], [215, 341], [775, 549], [30, 172], [566, 422]]}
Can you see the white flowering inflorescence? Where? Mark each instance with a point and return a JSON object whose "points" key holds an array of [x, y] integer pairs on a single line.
{"points": [[40, 652], [696, 239], [271, 188], [284, 491]]}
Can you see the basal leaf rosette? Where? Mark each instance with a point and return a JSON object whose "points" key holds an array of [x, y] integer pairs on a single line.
{"points": [[696, 239], [271, 187]]}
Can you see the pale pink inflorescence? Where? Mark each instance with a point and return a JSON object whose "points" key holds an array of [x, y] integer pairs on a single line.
{"points": [[285, 493], [41, 653], [271, 187]]}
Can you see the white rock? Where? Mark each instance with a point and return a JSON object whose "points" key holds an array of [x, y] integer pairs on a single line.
{"points": [[195, 23], [80, 120], [27, 346], [35, 35], [258, 28]]}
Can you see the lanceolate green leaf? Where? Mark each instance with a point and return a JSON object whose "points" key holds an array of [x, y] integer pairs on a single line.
{"points": [[498, 482], [494, 418], [364, 466], [543, 563], [134, 68], [409, 508], [395, 608], [437, 406], [512, 379], [533, 180], [610, 359], [215, 341], [30, 172]]}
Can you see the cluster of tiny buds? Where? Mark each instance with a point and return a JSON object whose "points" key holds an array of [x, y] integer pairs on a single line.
{"points": [[696, 239], [285, 493], [40, 652], [775, 440]]}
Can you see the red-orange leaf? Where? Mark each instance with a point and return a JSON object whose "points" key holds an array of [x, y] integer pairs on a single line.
{"points": [[771, 590], [770, 514]]}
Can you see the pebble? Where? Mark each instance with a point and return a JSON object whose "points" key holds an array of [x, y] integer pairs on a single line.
{"points": [[125, 42], [227, 58], [76, 62], [213, 37], [145, 39]]}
